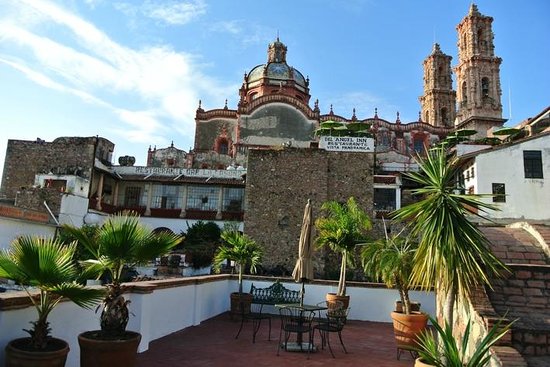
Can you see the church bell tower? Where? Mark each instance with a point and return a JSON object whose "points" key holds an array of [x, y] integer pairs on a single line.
{"points": [[439, 99], [477, 75]]}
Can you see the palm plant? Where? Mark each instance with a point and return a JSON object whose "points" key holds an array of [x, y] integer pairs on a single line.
{"points": [[241, 249], [342, 228], [391, 260], [48, 265], [121, 242], [444, 351], [453, 254]]}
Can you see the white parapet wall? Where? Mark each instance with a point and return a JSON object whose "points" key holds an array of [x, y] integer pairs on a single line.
{"points": [[162, 307]]}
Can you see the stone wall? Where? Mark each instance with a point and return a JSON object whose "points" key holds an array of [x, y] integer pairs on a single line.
{"points": [[66, 155], [278, 185], [33, 198]]}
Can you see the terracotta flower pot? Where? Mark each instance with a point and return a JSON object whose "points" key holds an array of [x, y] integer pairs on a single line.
{"points": [[419, 363], [19, 355], [96, 351], [333, 297], [407, 328], [238, 299]]}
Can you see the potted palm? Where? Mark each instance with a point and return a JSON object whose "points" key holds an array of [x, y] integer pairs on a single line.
{"points": [[120, 243], [442, 349], [391, 260], [48, 266], [342, 227], [453, 254], [244, 251]]}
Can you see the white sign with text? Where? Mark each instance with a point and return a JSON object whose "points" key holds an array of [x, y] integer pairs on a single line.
{"points": [[346, 144]]}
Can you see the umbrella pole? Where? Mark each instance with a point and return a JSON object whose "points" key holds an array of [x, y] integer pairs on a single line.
{"points": [[302, 294]]}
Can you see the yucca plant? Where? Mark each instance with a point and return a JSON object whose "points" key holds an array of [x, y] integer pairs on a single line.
{"points": [[342, 227], [241, 249], [121, 242], [391, 260], [453, 254], [47, 265], [442, 349]]}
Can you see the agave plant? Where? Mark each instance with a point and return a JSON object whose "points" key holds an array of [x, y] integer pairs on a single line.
{"points": [[47, 265], [240, 248], [121, 242], [443, 350], [391, 260], [453, 254], [343, 227]]}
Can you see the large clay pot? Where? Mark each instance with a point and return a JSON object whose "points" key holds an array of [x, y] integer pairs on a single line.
{"points": [[96, 351], [333, 297], [54, 356], [419, 363], [240, 302], [407, 328], [415, 306]]}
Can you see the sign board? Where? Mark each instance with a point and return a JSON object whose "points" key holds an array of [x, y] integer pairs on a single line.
{"points": [[178, 172], [346, 144]]}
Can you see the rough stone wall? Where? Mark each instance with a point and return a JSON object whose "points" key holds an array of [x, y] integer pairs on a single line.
{"points": [[67, 155], [34, 198], [278, 185]]}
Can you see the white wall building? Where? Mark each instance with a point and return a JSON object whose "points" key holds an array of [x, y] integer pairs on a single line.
{"points": [[517, 173]]}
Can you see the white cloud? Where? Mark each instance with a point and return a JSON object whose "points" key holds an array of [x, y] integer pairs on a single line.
{"points": [[163, 85], [166, 12], [231, 26], [174, 12]]}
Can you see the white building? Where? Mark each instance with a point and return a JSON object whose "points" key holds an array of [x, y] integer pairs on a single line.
{"points": [[517, 173]]}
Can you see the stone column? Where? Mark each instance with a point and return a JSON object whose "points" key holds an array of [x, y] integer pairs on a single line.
{"points": [[100, 191], [115, 194], [183, 201], [220, 204], [149, 199]]}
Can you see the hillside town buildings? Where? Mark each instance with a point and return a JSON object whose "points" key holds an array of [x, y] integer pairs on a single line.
{"points": [[259, 162]]}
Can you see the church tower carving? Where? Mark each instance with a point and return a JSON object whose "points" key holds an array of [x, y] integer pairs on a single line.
{"points": [[477, 75], [439, 99]]}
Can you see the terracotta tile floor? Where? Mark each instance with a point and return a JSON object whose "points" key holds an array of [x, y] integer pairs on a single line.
{"points": [[213, 343]]}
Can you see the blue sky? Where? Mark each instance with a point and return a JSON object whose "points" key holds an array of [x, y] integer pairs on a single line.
{"points": [[133, 71]]}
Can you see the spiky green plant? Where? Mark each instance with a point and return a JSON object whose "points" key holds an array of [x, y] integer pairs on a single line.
{"points": [[241, 249], [342, 227], [442, 349], [391, 260], [47, 265], [121, 242], [453, 254]]}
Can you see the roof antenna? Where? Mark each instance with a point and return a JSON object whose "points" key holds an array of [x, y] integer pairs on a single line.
{"points": [[278, 35]]}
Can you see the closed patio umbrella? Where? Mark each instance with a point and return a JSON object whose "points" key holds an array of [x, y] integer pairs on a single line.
{"points": [[303, 271]]}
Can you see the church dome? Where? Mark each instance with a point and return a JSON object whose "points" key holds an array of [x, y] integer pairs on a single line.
{"points": [[276, 75]]}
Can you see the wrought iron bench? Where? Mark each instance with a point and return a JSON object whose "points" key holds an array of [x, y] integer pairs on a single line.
{"points": [[274, 294]]}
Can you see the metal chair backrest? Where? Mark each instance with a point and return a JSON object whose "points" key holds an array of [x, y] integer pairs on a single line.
{"points": [[295, 318]]}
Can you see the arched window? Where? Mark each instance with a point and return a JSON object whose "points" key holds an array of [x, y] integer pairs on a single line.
{"points": [[464, 93], [222, 146], [485, 87], [444, 116]]}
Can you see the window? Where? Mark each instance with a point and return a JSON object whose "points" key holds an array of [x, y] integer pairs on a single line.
{"points": [[418, 145], [202, 197], [499, 193], [532, 163], [132, 197], [485, 87], [166, 197], [384, 199], [464, 93], [233, 199], [444, 117]]}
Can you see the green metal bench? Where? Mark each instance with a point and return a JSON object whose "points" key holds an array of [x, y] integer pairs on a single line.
{"points": [[274, 294]]}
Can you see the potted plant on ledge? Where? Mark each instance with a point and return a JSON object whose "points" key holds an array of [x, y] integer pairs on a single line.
{"points": [[48, 266], [244, 251], [343, 227], [121, 243], [391, 259]]}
